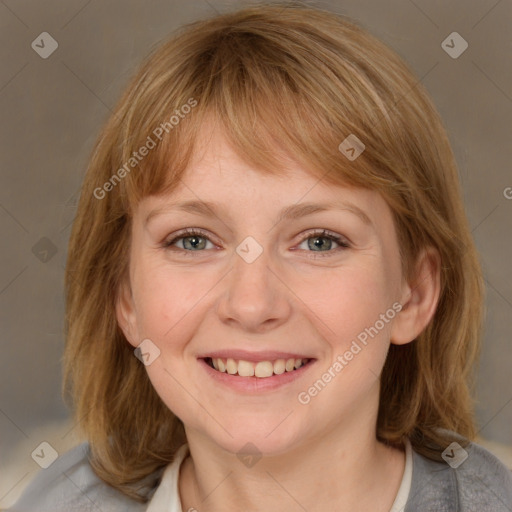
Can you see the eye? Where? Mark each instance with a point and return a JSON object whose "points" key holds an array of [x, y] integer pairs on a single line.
{"points": [[195, 240], [321, 241], [191, 240]]}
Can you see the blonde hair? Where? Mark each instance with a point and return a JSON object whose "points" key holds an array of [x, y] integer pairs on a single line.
{"points": [[278, 80]]}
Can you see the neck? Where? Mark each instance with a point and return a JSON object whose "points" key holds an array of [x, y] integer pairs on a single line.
{"points": [[346, 469]]}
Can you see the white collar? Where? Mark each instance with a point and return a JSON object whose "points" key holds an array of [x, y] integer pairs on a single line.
{"points": [[167, 495], [405, 487]]}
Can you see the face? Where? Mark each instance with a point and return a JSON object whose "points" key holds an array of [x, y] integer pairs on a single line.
{"points": [[263, 283]]}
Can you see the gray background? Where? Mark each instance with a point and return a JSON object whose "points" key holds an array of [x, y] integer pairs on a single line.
{"points": [[52, 110]]}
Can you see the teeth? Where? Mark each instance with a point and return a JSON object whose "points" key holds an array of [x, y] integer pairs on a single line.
{"points": [[245, 369], [264, 369], [279, 366], [260, 369], [231, 366]]}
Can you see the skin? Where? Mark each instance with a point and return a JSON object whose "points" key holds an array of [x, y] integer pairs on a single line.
{"points": [[319, 456]]}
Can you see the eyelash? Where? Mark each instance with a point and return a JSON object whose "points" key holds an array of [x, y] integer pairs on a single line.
{"points": [[318, 234]]}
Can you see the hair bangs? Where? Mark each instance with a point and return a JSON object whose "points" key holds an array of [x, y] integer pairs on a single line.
{"points": [[258, 93]]}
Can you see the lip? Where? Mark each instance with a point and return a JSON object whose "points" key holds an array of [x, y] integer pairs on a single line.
{"points": [[253, 357], [255, 385]]}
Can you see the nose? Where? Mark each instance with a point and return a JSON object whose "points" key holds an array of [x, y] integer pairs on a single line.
{"points": [[254, 298]]}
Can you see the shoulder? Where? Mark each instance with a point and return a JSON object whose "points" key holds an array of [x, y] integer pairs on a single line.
{"points": [[473, 479], [70, 485]]}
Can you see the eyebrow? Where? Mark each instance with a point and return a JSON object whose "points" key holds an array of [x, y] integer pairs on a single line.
{"points": [[295, 211]]}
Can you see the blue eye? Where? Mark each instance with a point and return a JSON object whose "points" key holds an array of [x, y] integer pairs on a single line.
{"points": [[194, 240], [318, 243]]}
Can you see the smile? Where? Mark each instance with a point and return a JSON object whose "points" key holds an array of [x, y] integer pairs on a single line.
{"points": [[261, 369]]}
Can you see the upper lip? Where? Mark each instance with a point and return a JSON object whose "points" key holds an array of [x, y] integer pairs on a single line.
{"points": [[264, 355]]}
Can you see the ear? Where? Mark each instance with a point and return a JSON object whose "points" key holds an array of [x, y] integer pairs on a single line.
{"points": [[419, 298], [126, 315]]}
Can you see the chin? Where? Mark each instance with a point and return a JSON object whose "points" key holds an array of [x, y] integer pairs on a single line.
{"points": [[269, 436]]}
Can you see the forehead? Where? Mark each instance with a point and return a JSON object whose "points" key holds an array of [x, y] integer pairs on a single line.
{"points": [[219, 181]]}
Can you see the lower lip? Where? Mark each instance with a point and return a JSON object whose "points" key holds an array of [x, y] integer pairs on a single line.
{"points": [[255, 384]]}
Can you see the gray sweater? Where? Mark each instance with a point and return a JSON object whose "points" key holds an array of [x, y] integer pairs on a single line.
{"points": [[480, 484]]}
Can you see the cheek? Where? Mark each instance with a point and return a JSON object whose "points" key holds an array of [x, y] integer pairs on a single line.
{"points": [[165, 298], [346, 301]]}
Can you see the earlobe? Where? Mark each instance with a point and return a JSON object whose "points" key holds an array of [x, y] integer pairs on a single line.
{"points": [[419, 298], [125, 314]]}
